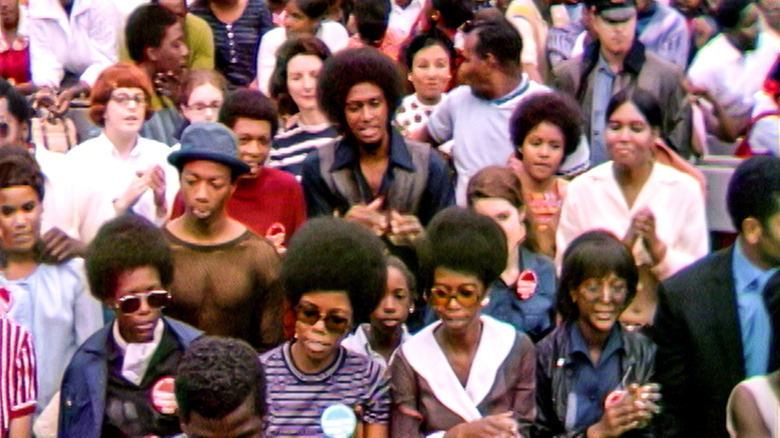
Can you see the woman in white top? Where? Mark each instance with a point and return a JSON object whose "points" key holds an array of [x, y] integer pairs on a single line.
{"points": [[657, 210], [303, 17]]}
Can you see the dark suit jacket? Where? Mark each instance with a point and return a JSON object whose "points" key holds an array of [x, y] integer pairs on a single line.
{"points": [[699, 358]]}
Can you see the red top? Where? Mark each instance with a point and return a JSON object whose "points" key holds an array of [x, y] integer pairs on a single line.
{"points": [[273, 196], [15, 65]]}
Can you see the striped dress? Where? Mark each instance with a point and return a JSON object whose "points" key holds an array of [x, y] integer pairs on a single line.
{"points": [[291, 146], [17, 374], [296, 400]]}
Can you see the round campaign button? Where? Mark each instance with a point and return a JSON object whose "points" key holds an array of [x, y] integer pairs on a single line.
{"points": [[163, 397], [338, 421], [526, 284]]}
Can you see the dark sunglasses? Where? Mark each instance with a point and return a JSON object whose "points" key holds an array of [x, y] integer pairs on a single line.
{"points": [[309, 314], [156, 299]]}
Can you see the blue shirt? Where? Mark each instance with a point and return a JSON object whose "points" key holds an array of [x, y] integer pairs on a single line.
{"points": [[592, 382], [536, 315], [754, 323], [602, 93]]}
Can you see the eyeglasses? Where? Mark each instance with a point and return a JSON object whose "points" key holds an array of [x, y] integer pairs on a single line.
{"points": [[124, 99], [309, 314], [200, 107], [593, 290], [466, 296], [156, 299]]}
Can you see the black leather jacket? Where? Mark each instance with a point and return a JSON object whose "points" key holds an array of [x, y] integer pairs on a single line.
{"points": [[554, 379]]}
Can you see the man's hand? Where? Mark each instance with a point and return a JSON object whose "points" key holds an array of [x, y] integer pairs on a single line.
{"points": [[405, 229], [57, 247], [369, 216], [499, 425]]}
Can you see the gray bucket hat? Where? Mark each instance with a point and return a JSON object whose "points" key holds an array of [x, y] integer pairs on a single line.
{"points": [[210, 142]]}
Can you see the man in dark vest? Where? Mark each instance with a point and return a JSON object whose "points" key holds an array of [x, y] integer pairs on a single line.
{"points": [[372, 175]]}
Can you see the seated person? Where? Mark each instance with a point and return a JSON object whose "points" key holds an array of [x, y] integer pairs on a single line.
{"points": [[524, 294], [71, 42], [15, 46], [197, 36], [468, 374], [119, 382], [593, 375], [334, 276], [51, 301], [386, 330], [155, 40], [220, 389], [268, 201]]}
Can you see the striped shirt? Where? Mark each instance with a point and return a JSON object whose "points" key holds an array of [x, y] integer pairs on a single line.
{"points": [[17, 374], [296, 400], [291, 146]]}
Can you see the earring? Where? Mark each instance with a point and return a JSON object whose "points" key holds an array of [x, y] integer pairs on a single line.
{"points": [[411, 309], [485, 301]]}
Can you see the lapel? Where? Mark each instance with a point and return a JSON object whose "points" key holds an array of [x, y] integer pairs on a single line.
{"points": [[95, 372], [424, 355], [718, 286]]}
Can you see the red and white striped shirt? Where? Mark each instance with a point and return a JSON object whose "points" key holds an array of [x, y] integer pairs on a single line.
{"points": [[17, 374]]}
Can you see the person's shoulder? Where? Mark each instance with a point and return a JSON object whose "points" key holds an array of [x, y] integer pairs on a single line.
{"points": [[550, 345], [184, 332], [583, 181], [662, 65], [196, 23], [688, 280], [281, 179], [670, 175], [91, 349], [272, 356], [359, 364]]}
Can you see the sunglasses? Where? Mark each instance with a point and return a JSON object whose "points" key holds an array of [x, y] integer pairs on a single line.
{"points": [[309, 314], [440, 297], [156, 299]]}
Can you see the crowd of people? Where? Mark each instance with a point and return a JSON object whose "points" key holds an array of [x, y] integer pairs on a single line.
{"points": [[387, 218]]}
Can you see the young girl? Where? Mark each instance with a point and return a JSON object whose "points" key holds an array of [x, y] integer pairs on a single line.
{"points": [[387, 330], [545, 130]]}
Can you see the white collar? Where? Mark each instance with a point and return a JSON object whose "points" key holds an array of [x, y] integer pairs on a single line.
{"points": [[137, 356], [426, 357]]}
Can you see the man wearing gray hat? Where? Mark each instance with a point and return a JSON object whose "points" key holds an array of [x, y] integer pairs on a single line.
{"points": [[225, 278], [618, 60]]}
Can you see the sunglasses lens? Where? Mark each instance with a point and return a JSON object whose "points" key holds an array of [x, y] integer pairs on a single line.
{"points": [[129, 304], [157, 299], [307, 315], [336, 324]]}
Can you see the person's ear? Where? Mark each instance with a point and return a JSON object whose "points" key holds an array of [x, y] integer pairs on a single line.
{"points": [[751, 230], [152, 54]]}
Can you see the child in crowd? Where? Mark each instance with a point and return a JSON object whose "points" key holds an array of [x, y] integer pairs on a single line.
{"points": [[545, 130], [387, 329]]}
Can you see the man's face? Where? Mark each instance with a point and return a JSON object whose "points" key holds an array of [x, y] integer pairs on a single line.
{"points": [[744, 35], [474, 70], [254, 142], [615, 29], [768, 245], [205, 188], [11, 131], [172, 54], [367, 115], [243, 422]]}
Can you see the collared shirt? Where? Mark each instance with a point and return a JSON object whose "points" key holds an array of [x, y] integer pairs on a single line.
{"points": [[320, 200], [136, 356], [602, 93], [404, 18], [754, 323], [592, 382], [359, 343], [54, 305]]}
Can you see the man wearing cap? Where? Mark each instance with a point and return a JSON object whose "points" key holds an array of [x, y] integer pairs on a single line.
{"points": [[225, 277], [617, 60]]}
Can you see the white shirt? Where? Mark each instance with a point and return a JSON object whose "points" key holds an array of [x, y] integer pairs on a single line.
{"points": [[404, 19], [479, 127], [731, 76], [55, 306], [83, 44], [98, 175], [595, 201], [55, 185], [333, 34]]}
